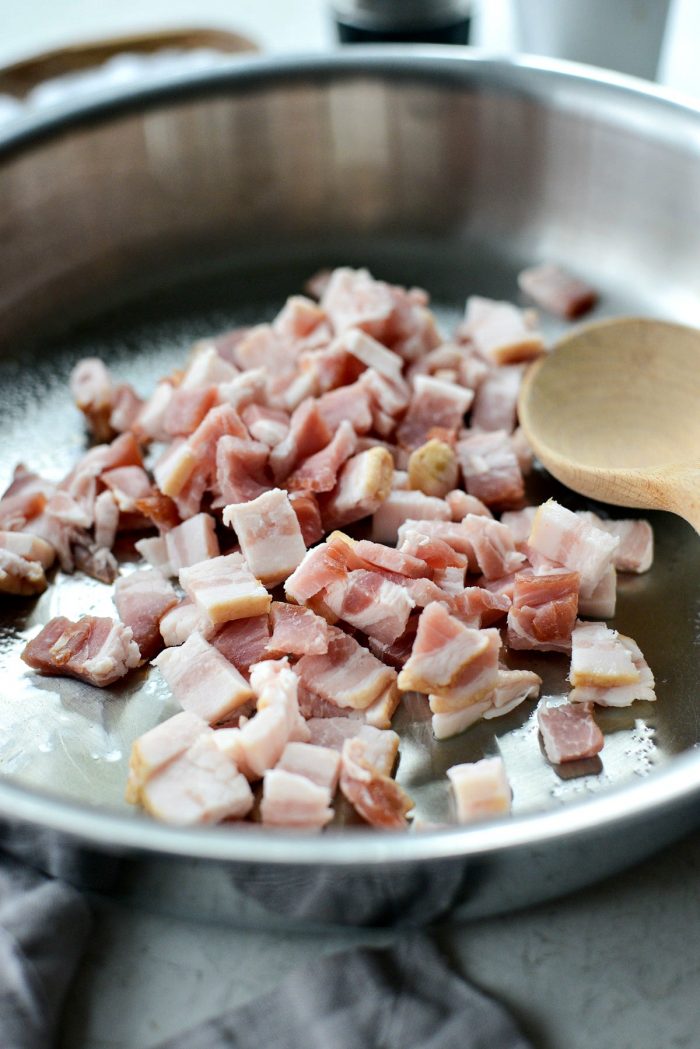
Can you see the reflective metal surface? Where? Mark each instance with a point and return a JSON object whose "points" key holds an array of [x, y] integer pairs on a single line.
{"points": [[135, 225]]}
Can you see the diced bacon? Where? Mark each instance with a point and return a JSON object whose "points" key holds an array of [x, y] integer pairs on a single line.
{"points": [[500, 331], [490, 468], [496, 402], [202, 785], [240, 470], [277, 722], [221, 421], [28, 546], [148, 424], [156, 748], [377, 798], [557, 291], [371, 603], [202, 680], [308, 434], [450, 532], [450, 579], [174, 468], [267, 425], [319, 473], [142, 598], [519, 523], [442, 649], [20, 576], [24, 499], [320, 567], [353, 299], [434, 404], [371, 353], [433, 468], [128, 484], [225, 343], [477, 607], [569, 732], [481, 789], [225, 588], [390, 560], [243, 641], [379, 714], [155, 552], [247, 388], [349, 403], [543, 613], [96, 561], [321, 765], [106, 513], [347, 674], [434, 553], [183, 619], [262, 345], [610, 670], [187, 409], [389, 397], [305, 506], [636, 550], [492, 543], [296, 631], [191, 542], [363, 485], [126, 406], [298, 318], [159, 509], [601, 603], [400, 507], [381, 745], [453, 723], [474, 683], [504, 587], [268, 530], [512, 688], [93, 649], [571, 541], [93, 390], [329, 367], [207, 368], [294, 801]]}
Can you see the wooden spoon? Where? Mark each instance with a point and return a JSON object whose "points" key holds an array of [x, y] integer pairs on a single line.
{"points": [[614, 413]]}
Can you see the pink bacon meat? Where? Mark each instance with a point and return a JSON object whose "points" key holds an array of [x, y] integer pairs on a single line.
{"points": [[268, 530], [142, 599], [94, 649], [569, 732]]}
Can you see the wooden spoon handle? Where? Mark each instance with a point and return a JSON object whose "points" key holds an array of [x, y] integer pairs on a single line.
{"points": [[680, 486]]}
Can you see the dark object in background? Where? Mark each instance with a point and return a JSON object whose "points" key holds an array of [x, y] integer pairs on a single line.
{"points": [[403, 21]]}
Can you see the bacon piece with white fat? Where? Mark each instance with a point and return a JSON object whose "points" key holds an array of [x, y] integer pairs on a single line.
{"points": [[500, 331], [569, 731], [363, 485], [269, 534], [154, 551], [243, 641], [319, 473], [202, 680], [320, 764], [519, 523], [93, 391], [442, 649], [225, 588], [296, 631], [371, 353], [636, 550], [240, 470], [381, 745], [347, 674], [557, 291], [24, 499], [543, 612], [461, 504], [321, 565], [475, 682], [142, 598], [480, 789], [608, 668], [601, 603], [376, 797], [183, 619], [562, 536], [206, 368], [496, 401], [400, 507], [307, 434], [492, 544], [512, 688], [490, 468], [476, 607], [434, 404], [95, 649], [106, 524], [305, 506], [387, 559], [156, 748], [371, 603], [265, 424], [351, 403], [294, 801], [191, 542], [20, 576], [28, 546], [187, 409], [201, 785]]}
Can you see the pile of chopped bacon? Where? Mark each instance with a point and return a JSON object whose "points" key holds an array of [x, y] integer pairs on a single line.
{"points": [[286, 640]]}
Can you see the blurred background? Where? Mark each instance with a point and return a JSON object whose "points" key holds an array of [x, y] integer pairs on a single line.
{"points": [[648, 37]]}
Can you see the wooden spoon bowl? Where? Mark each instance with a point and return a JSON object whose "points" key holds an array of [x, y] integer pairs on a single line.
{"points": [[614, 413]]}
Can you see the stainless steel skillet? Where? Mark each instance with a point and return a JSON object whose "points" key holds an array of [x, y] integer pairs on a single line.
{"points": [[134, 223]]}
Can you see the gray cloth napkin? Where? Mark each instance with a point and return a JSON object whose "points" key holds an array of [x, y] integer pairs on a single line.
{"points": [[44, 926], [405, 997]]}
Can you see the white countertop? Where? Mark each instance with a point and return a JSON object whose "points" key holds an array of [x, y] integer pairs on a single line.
{"points": [[608, 966]]}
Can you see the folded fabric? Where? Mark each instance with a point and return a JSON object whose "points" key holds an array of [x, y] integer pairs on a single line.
{"points": [[44, 926], [405, 997]]}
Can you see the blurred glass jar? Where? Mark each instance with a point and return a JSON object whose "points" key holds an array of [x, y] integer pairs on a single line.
{"points": [[625, 35], [403, 21]]}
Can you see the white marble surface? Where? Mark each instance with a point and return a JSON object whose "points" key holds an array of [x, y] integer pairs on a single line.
{"points": [[615, 966]]}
